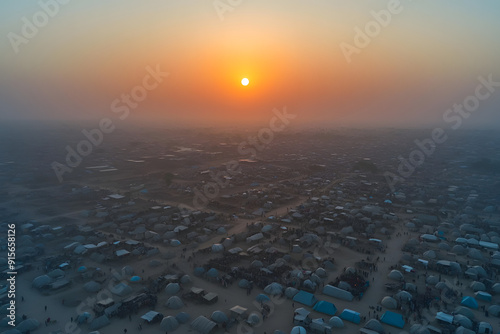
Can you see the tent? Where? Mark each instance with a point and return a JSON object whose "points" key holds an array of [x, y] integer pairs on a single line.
{"points": [[325, 307], [182, 317], [174, 303], [298, 330], [172, 288], [494, 310], [290, 292], [477, 286], [481, 295], [396, 275], [185, 279], [99, 323], [198, 271], [333, 291], [237, 311], [262, 298], [83, 317], [135, 279], [389, 302], [219, 317], [253, 319], [464, 311], [243, 283], [469, 302], [212, 272], [441, 316], [393, 319], [203, 325], [305, 298], [484, 327], [336, 322], [217, 248], [169, 324], [462, 320], [41, 281], [350, 315], [152, 316], [374, 325], [274, 289]]}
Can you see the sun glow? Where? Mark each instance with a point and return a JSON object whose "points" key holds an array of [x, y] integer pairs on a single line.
{"points": [[245, 81]]}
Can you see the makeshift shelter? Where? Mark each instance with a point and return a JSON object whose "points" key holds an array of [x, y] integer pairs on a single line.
{"points": [[169, 324], [238, 312], [217, 248], [336, 322], [462, 320], [152, 316], [325, 307], [403, 296], [203, 325], [99, 322], [305, 298], [393, 319], [350, 315], [444, 317], [464, 311], [333, 291]]}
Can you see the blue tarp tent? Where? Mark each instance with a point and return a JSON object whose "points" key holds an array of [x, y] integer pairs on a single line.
{"points": [[393, 319], [350, 315], [325, 307], [305, 298], [481, 295], [469, 302]]}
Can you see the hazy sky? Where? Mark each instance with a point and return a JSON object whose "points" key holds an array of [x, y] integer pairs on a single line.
{"points": [[427, 58]]}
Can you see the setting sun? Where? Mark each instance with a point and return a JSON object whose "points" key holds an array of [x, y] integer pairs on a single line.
{"points": [[245, 81]]}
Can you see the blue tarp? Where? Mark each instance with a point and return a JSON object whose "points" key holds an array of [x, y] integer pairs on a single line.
{"points": [[305, 298], [325, 307], [350, 315], [469, 302], [393, 319]]}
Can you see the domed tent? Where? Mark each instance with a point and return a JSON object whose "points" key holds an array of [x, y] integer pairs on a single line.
{"points": [[321, 272], [396, 275], [83, 317], [175, 243], [172, 288], [243, 283], [253, 319], [374, 325], [56, 273], [274, 289], [186, 279], [464, 311], [459, 250], [477, 286], [99, 322], [121, 290], [182, 317], [199, 271], [336, 322], [257, 264], [308, 284], [462, 320], [212, 272], [290, 292], [494, 310], [217, 248], [432, 280], [298, 330], [174, 303], [403, 296], [389, 302], [135, 279], [169, 324], [219, 317], [262, 298]]}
